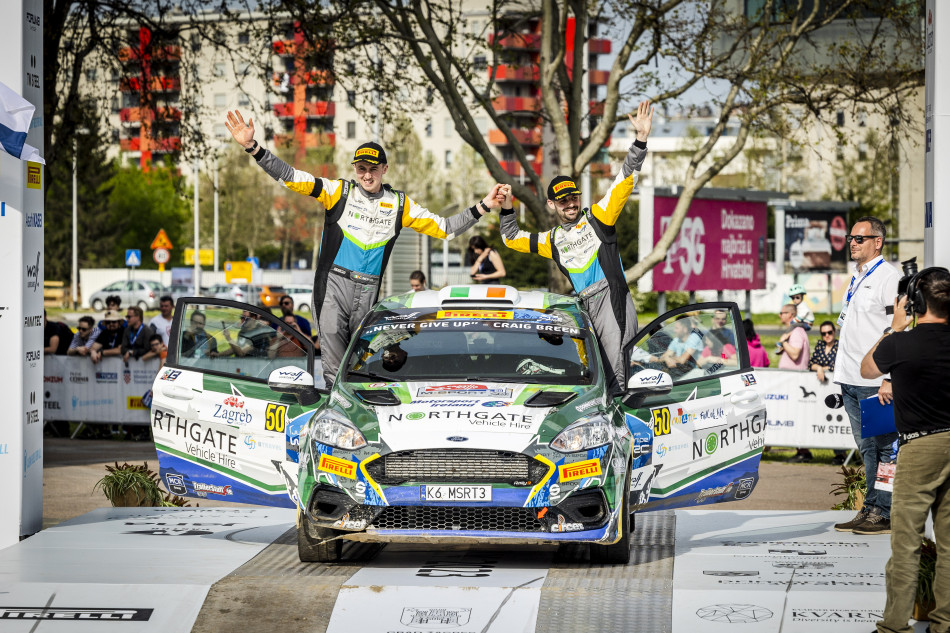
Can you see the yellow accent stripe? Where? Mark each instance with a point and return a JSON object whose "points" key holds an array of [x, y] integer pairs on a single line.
{"points": [[585, 266], [427, 226], [372, 483], [616, 199], [305, 188], [365, 247], [551, 470]]}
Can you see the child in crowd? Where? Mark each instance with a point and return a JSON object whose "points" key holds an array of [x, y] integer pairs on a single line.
{"points": [[804, 317]]}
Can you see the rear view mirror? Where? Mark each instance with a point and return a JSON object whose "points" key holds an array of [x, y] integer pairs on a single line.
{"points": [[649, 382], [296, 381]]}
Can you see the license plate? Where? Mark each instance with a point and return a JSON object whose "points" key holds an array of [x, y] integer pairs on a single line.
{"points": [[456, 493]]}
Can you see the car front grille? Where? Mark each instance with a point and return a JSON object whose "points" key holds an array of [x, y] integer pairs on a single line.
{"points": [[459, 519], [457, 466]]}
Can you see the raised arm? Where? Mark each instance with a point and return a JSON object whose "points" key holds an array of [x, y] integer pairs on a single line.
{"points": [[516, 239], [608, 209], [421, 220]]}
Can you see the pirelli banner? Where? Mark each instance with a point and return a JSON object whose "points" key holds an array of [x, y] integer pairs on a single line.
{"points": [[796, 411], [76, 390]]}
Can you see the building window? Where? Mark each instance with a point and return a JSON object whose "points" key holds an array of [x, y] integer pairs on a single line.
{"points": [[481, 124], [220, 69], [448, 158], [244, 38], [429, 128], [220, 131], [351, 129], [862, 151], [839, 117], [220, 100], [351, 98], [449, 128], [620, 130], [243, 69], [91, 74], [480, 63], [244, 100]]}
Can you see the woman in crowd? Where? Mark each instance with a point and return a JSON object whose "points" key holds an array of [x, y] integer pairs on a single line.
{"points": [[485, 262], [758, 357], [823, 360]]}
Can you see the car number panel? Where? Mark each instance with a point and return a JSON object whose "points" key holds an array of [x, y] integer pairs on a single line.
{"points": [[455, 494]]}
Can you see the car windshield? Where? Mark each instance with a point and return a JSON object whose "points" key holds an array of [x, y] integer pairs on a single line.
{"points": [[526, 346]]}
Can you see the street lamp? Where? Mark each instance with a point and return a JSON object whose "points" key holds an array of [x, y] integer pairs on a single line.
{"points": [[452, 208], [75, 262], [217, 148], [197, 273]]}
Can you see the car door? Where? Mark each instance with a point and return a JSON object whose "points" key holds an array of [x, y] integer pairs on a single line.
{"points": [[219, 430], [709, 430]]}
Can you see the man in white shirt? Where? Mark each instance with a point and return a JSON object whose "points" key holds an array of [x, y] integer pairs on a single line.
{"points": [[864, 317], [163, 322]]}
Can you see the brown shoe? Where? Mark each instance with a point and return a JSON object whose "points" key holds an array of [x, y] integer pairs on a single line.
{"points": [[853, 523], [874, 524]]}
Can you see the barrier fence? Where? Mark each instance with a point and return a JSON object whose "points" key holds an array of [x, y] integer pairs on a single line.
{"points": [[75, 390]]}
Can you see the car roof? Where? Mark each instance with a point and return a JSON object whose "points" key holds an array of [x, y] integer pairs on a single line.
{"points": [[480, 296]]}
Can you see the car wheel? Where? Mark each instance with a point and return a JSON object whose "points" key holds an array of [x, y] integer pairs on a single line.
{"points": [[312, 543], [304, 307], [617, 553], [97, 305], [142, 305]]}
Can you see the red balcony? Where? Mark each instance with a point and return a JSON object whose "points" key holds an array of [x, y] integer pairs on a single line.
{"points": [[285, 48], [598, 47], [516, 104], [158, 114], [167, 144], [317, 109], [598, 77], [163, 53], [525, 41], [310, 139], [156, 84], [513, 167], [515, 73], [529, 137], [129, 144]]}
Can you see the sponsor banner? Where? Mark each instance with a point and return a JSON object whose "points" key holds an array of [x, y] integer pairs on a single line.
{"points": [[76, 390], [796, 411], [721, 246], [815, 241], [443, 592]]}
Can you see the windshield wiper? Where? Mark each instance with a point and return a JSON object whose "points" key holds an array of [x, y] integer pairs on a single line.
{"points": [[366, 374]]}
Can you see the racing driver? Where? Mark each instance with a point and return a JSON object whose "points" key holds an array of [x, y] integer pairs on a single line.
{"points": [[363, 220], [584, 247]]}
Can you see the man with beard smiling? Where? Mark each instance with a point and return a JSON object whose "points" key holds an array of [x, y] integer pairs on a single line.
{"points": [[584, 248], [363, 220]]}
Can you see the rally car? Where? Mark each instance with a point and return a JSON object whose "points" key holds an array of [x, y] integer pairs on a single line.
{"points": [[472, 413]]}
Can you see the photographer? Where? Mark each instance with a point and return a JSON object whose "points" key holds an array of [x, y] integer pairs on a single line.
{"points": [[918, 362], [869, 298]]}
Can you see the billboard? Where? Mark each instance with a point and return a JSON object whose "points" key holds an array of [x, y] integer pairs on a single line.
{"points": [[721, 246], [815, 241]]}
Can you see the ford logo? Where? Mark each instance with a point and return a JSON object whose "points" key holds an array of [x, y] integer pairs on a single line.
{"points": [[457, 438]]}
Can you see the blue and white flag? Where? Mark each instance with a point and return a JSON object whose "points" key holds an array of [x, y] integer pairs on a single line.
{"points": [[15, 116]]}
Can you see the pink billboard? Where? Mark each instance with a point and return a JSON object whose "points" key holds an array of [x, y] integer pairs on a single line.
{"points": [[721, 246]]}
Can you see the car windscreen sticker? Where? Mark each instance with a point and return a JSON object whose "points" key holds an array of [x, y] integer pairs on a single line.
{"points": [[463, 389], [470, 326], [475, 314]]}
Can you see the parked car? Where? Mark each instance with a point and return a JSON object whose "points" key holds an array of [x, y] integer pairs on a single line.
{"points": [[302, 296], [470, 414], [270, 296], [177, 291], [248, 293], [141, 293]]}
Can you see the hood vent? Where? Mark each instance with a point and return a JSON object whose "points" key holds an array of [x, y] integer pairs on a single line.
{"points": [[550, 398], [378, 397]]}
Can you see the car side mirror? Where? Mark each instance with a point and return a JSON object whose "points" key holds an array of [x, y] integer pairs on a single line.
{"points": [[295, 381], [649, 382]]}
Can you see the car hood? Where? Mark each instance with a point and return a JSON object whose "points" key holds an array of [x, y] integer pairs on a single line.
{"points": [[481, 415]]}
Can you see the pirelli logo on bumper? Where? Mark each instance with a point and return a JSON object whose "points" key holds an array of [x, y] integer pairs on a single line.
{"points": [[579, 470], [337, 466]]}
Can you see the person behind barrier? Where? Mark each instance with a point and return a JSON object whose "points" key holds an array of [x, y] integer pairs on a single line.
{"points": [[109, 341], [804, 318], [485, 264], [363, 219], [56, 337], [113, 304], [156, 349], [823, 360], [793, 344], [758, 357], [253, 338], [85, 336], [284, 345], [720, 322], [919, 363], [195, 342], [136, 335], [867, 302], [417, 281], [162, 322], [287, 308], [718, 351]]}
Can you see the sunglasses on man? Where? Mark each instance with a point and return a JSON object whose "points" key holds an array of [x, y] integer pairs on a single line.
{"points": [[860, 238]]}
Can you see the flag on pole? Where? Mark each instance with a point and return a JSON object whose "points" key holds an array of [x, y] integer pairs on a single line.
{"points": [[16, 113]]}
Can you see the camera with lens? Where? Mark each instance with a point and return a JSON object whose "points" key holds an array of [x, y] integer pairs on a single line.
{"points": [[909, 268]]}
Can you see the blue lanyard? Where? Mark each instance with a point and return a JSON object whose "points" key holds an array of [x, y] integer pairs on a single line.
{"points": [[852, 288], [137, 332]]}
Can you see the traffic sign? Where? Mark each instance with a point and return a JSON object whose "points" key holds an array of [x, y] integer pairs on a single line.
{"points": [[161, 241], [133, 257], [161, 255], [205, 256]]}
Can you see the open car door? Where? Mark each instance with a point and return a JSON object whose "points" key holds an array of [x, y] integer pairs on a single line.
{"points": [[708, 428], [220, 431]]}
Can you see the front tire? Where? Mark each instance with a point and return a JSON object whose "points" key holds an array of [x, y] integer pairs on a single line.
{"points": [[142, 305], [617, 553], [312, 543], [97, 305]]}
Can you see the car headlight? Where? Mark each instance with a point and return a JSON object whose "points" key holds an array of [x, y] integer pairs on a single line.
{"points": [[584, 434], [333, 430]]}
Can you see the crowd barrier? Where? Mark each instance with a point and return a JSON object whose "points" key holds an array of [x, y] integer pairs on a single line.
{"points": [[75, 390], [796, 411]]}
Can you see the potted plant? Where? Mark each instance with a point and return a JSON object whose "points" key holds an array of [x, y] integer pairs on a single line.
{"points": [[853, 486], [130, 486], [924, 601]]}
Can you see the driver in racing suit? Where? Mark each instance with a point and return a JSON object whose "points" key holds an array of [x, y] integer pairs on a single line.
{"points": [[363, 220], [584, 248]]}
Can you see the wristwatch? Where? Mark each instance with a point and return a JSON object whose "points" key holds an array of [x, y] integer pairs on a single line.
{"points": [[888, 330]]}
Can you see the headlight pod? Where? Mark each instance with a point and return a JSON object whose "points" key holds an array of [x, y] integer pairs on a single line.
{"points": [[334, 430], [584, 434]]}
